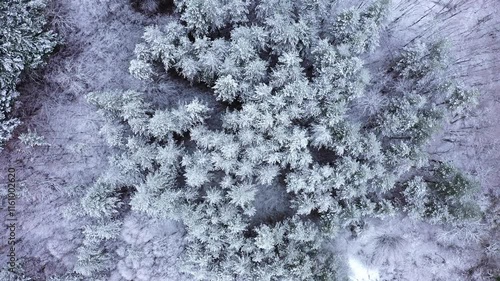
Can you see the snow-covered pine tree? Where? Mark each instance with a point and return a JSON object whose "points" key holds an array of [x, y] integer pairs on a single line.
{"points": [[93, 260], [25, 43]]}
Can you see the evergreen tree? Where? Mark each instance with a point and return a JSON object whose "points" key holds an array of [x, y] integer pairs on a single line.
{"points": [[24, 44]]}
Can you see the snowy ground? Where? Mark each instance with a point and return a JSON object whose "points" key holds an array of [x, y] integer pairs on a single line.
{"points": [[100, 36]]}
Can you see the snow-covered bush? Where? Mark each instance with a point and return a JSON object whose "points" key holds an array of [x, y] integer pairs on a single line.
{"points": [[24, 43], [16, 273], [32, 139], [288, 74]]}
